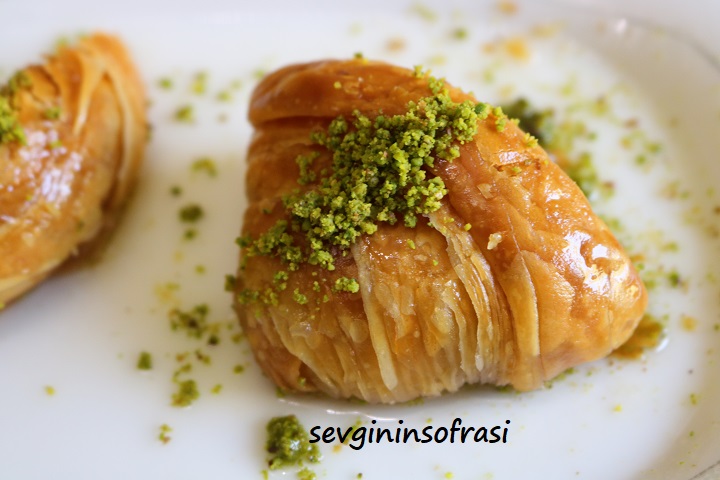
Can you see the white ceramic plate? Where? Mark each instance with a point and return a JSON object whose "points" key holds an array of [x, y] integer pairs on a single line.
{"points": [[81, 332]]}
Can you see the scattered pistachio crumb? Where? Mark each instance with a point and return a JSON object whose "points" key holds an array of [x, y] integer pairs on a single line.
{"points": [[224, 96], [199, 85], [165, 83], [193, 322], [206, 165], [145, 361], [216, 389], [200, 269], [337, 85], [460, 33], [185, 114], [238, 369], [288, 443], [617, 408], [164, 435], [411, 244], [299, 297], [191, 213], [186, 394], [202, 357], [53, 113], [230, 282], [424, 12], [467, 227], [50, 390], [306, 474], [175, 190], [693, 399]]}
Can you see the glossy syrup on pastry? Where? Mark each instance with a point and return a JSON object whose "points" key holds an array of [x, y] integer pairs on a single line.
{"points": [[509, 279]]}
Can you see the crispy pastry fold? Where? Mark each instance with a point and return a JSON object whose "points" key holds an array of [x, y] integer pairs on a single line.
{"points": [[64, 184], [537, 285]]}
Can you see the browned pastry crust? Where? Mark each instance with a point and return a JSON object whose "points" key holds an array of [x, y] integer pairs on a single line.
{"points": [[556, 291], [67, 184]]}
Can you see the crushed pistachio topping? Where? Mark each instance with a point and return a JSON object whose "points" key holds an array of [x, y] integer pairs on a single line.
{"points": [[288, 443], [16, 83], [10, 128], [299, 297], [344, 284], [379, 175]]}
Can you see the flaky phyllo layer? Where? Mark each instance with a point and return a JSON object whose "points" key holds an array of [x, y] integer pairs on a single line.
{"points": [[488, 266], [72, 136]]}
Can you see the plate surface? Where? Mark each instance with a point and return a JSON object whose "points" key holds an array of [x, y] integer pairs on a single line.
{"points": [[641, 79]]}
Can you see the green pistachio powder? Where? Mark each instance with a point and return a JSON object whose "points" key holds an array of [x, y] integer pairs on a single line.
{"points": [[379, 175], [10, 128], [288, 443]]}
